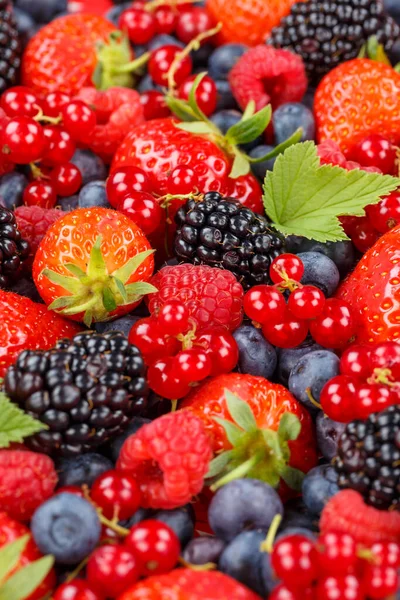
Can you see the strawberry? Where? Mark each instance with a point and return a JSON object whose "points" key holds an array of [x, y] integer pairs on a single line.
{"points": [[93, 264], [11, 530], [373, 290], [117, 111], [26, 325], [358, 98]]}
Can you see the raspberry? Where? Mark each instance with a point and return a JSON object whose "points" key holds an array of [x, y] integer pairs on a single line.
{"points": [[267, 75], [346, 512], [212, 296], [27, 479], [169, 459], [33, 222]]}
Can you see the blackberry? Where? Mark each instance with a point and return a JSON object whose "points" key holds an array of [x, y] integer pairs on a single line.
{"points": [[368, 458], [221, 232], [86, 390], [10, 47], [328, 33], [13, 249]]}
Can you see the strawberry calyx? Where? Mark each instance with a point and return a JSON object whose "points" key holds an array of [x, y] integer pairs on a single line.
{"points": [[373, 50], [257, 453], [96, 293]]}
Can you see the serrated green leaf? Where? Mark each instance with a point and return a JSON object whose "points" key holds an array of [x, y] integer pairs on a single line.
{"points": [[218, 464], [15, 424], [240, 165], [289, 427], [250, 128], [21, 585], [196, 127], [303, 198], [9, 555], [292, 477], [240, 411], [233, 432]]}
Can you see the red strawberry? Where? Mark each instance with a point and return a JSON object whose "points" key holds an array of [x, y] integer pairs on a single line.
{"points": [[11, 530], [33, 222], [117, 111], [26, 325], [93, 264], [358, 98], [27, 479]]}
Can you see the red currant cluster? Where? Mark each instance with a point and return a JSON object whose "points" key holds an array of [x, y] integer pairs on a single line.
{"points": [[45, 133], [369, 382], [286, 325], [176, 356], [334, 568]]}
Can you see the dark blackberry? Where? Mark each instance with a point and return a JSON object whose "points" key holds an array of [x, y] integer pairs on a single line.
{"points": [[86, 390], [221, 232], [10, 48], [368, 458], [13, 249], [328, 33]]}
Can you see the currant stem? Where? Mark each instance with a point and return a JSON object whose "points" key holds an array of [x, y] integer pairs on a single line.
{"points": [[122, 531], [268, 544], [240, 471], [312, 399], [174, 404], [154, 4], [37, 173], [41, 117], [206, 567], [71, 576]]}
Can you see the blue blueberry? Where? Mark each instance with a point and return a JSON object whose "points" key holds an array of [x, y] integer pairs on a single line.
{"points": [[321, 271], [91, 166], [115, 12], [200, 57], [328, 434], [319, 485], [308, 98], [25, 24], [66, 526], [392, 7], [256, 355], [242, 560], [42, 11], [12, 187], [312, 372], [225, 99], [93, 194], [224, 119], [270, 580], [140, 515], [223, 59], [342, 253], [289, 117], [163, 39], [243, 504], [297, 516], [260, 169], [123, 324], [181, 520], [394, 54], [83, 469], [303, 531], [139, 50], [68, 203], [146, 84], [202, 550], [288, 357]]}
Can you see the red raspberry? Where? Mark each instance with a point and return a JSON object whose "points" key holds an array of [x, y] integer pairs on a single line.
{"points": [[11, 530], [169, 459], [268, 76], [33, 222], [212, 296], [27, 479], [346, 512]]}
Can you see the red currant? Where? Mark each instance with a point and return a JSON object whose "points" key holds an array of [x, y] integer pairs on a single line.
{"points": [[282, 592], [337, 398], [173, 318], [206, 93], [111, 569], [364, 235], [386, 356], [380, 582], [154, 105], [39, 193], [192, 22], [124, 181], [117, 494], [161, 60], [23, 140], [143, 209], [192, 365], [59, 147], [387, 554], [222, 349], [294, 560], [386, 214], [376, 151], [70, 489], [337, 553], [355, 361], [66, 179], [183, 180], [164, 380], [78, 589], [19, 101], [286, 266], [264, 303], [140, 25], [288, 332], [54, 102], [335, 326], [371, 398], [147, 335], [306, 302], [347, 587], [165, 19], [79, 120], [156, 546]]}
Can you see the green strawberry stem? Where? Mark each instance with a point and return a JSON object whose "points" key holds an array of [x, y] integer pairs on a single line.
{"points": [[114, 65], [268, 543], [238, 473], [373, 50]]}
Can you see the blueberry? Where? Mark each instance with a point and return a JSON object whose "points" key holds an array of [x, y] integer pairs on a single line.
{"points": [[319, 485], [223, 59], [303, 531], [297, 516], [392, 7], [84, 469], [25, 24], [243, 504], [42, 11], [181, 520], [394, 54], [123, 324], [200, 57], [202, 550], [68, 203], [224, 119], [163, 39], [308, 98], [140, 515], [288, 357], [328, 434], [115, 12], [93, 194], [256, 355], [91, 166], [225, 97], [12, 187], [117, 443], [146, 84], [242, 560], [312, 372], [66, 526], [321, 271], [342, 253], [289, 117], [260, 169], [269, 579]]}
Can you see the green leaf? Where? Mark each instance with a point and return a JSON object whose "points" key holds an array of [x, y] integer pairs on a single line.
{"points": [[218, 464], [192, 97], [293, 139], [15, 424], [240, 165], [21, 585], [240, 411], [289, 427], [196, 127], [62, 302], [233, 432], [292, 477], [303, 198], [9, 555], [250, 128], [125, 272], [249, 110], [181, 109]]}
